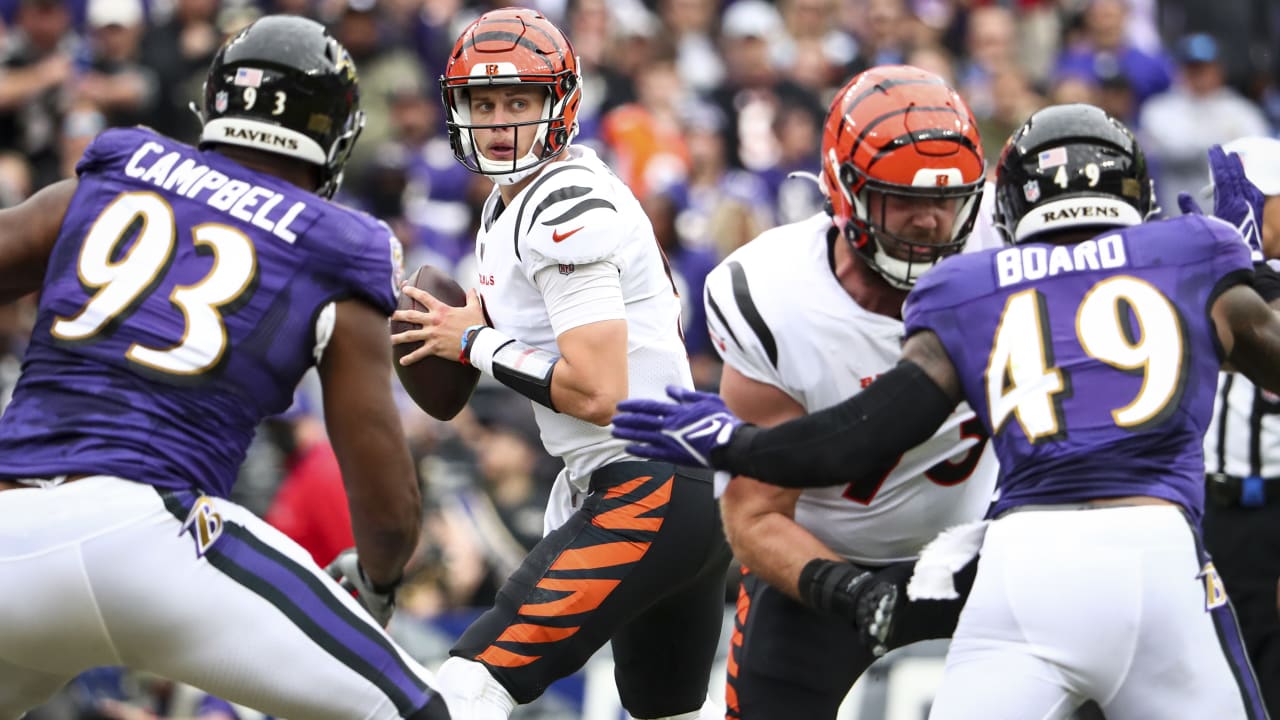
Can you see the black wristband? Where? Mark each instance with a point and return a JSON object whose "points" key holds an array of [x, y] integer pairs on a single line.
{"points": [[832, 587], [1266, 281], [388, 589], [722, 456]]}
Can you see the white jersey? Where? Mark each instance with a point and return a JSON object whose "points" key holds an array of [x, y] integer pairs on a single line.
{"points": [[779, 316], [576, 212], [984, 234]]}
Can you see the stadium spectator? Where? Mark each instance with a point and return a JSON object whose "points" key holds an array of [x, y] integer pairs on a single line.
{"points": [[178, 50], [1180, 125], [1103, 49], [113, 78], [40, 57], [310, 505]]}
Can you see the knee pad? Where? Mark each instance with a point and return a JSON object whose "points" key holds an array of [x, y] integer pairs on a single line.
{"points": [[471, 692]]}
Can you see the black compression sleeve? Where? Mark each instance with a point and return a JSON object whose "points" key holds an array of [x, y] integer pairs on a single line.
{"points": [[862, 435], [1266, 281]]}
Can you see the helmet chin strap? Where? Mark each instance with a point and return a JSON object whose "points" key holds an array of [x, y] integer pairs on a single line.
{"points": [[492, 169], [533, 159], [897, 273], [902, 274]]}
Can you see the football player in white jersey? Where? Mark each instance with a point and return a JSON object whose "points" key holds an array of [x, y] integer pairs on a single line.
{"points": [[807, 315], [578, 313]]}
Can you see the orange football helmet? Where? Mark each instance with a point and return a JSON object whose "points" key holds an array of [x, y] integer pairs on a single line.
{"points": [[900, 130], [508, 47]]}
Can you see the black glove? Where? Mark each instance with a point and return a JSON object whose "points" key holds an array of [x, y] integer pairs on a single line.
{"points": [[854, 594], [379, 601]]}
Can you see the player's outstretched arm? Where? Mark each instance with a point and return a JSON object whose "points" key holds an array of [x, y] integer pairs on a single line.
{"points": [[27, 234], [862, 435], [364, 427]]}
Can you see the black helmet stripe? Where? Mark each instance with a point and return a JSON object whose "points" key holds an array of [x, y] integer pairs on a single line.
{"points": [[522, 41], [879, 88]]}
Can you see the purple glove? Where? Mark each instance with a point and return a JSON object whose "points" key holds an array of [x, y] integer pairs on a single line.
{"points": [[685, 432], [1235, 199]]}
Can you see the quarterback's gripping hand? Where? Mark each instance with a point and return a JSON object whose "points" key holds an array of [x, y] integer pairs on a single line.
{"points": [[1236, 200], [347, 571], [686, 432]]}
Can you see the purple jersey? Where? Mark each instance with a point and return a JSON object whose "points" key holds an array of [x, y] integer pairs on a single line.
{"points": [[1092, 365], [180, 307]]}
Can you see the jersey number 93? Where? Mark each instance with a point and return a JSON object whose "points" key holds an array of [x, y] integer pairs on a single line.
{"points": [[120, 285]]}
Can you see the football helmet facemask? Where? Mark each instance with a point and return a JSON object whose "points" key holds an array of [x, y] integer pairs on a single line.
{"points": [[900, 131], [512, 46], [1071, 166], [284, 85]]}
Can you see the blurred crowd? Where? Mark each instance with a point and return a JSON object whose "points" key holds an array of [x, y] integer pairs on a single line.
{"points": [[711, 110]]}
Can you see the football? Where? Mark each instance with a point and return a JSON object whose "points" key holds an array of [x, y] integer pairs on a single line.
{"points": [[439, 386]]}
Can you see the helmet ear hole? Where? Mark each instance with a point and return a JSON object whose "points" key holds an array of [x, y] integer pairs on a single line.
{"points": [[848, 177]]}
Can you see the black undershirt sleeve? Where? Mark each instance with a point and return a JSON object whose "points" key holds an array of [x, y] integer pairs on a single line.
{"points": [[1266, 281], [863, 435]]}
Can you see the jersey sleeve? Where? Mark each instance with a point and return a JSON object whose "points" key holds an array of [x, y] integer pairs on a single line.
{"points": [[1230, 256], [112, 147], [364, 256], [737, 330], [984, 234], [571, 218]]}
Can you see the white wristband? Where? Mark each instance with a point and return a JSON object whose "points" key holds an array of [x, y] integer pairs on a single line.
{"points": [[484, 346]]}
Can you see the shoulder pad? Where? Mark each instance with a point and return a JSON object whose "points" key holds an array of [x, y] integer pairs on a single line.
{"points": [[1221, 232], [984, 234], [569, 215], [738, 330], [113, 144], [363, 252], [1190, 240], [947, 284]]}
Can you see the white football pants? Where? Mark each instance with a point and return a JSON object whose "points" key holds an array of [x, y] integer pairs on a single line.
{"points": [[1117, 605], [105, 571]]}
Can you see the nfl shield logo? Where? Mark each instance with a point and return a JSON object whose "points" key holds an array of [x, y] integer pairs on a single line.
{"points": [[1031, 190], [220, 101]]}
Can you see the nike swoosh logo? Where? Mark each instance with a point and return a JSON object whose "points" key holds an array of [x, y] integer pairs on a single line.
{"points": [[711, 427], [715, 425], [557, 236]]}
